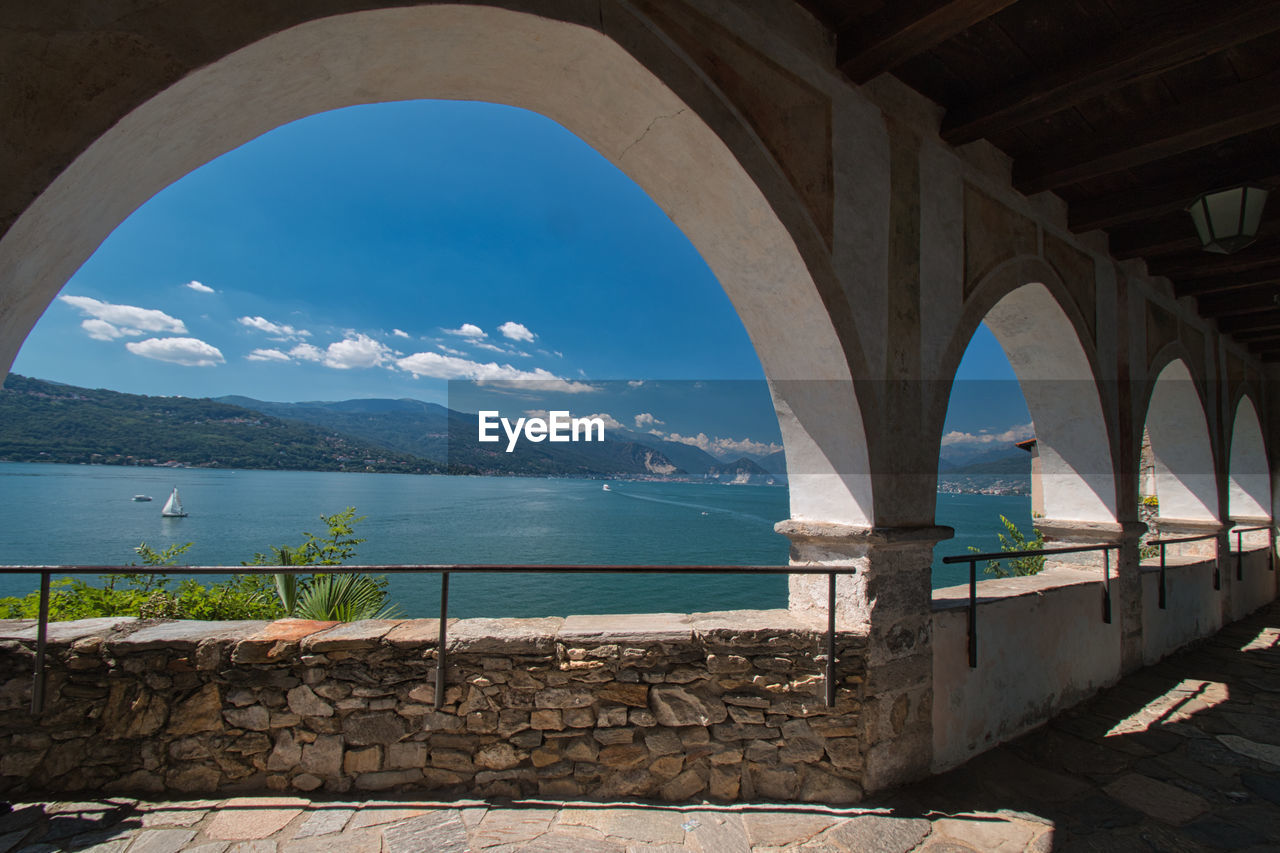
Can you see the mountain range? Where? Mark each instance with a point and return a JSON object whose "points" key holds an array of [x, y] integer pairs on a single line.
{"points": [[54, 422]]}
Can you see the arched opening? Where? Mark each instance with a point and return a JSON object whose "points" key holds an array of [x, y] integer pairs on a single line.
{"points": [[986, 467], [1182, 467], [1249, 486], [578, 77], [1073, 454]]}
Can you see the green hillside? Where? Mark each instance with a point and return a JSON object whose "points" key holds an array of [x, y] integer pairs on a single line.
{"points": [[48, 422]]}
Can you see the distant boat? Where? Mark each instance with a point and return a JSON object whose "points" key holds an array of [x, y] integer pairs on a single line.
{"points": [[173, 507], [142, 497], [606, 487]]}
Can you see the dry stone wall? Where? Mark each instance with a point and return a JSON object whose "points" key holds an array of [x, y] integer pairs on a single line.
{"points": [[717, 706]]}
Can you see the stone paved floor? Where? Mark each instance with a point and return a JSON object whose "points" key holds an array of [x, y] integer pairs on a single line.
{"points": [[1181, 756]]}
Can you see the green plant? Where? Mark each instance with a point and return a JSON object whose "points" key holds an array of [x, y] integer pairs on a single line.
{"points": [[154, 595], [1148, 512], [1013, 540], [344, 598], [340, 597]]}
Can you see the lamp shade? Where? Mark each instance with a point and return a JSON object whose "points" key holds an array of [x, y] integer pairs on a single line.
{"points": [[1227, 220]]}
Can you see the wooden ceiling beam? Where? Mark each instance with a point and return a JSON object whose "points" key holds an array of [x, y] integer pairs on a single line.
{"points": [[1182, 38], [1167, 238], [1226, 113], [907, 28], [1201, 264], [1226, 282], [1244, 301], [1269, 319], [1261, 337], [1151, 201]]}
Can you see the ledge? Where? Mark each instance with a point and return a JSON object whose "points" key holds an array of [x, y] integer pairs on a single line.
{"points": [[260, 642], [1006, 589], [798, 530]]}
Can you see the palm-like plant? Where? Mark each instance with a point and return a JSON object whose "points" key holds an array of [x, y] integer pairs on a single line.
{"points": [[341, 597], [344, 598]]}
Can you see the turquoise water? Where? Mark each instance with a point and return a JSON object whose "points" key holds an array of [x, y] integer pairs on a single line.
{"points": [[73, 514]]}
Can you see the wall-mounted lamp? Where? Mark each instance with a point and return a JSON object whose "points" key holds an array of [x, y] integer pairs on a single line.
{"points": [[1227, 220]]}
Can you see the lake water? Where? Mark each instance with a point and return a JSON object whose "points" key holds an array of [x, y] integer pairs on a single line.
{"points": [[78, 514]]}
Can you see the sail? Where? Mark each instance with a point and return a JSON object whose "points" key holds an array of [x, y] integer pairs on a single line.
{"points": [[173, 506]]}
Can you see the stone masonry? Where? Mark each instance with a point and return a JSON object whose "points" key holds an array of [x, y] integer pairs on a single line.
{"points": [[718, 706]]}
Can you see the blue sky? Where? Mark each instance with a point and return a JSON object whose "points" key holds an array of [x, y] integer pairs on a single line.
{"points": [[377, 251]]}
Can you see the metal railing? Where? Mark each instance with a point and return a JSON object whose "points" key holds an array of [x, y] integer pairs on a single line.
{"points": [[1217, 561], [974, 559], [47, 572], [1271, 548]]}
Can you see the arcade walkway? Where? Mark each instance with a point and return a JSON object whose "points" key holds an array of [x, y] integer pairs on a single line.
{"points": [[1182, 756]]}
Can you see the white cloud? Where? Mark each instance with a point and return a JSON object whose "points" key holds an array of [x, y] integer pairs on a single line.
{"points": [[198, 287], [1020, 432], [307, 352], [516, 332], [101, 330], [489, 347], [356, 351], [279, 331], [267, 355], [635, 383], [400, 333], [610, 422], [109, 321], [191, 352], [467, 330], [721, 448], [437, 366], [644, 419], [451, 350]]}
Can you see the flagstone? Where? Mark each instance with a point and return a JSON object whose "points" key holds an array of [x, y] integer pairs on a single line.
{"points": [[375, 815], [1264, 752], [161, 840], [778, 829], [252, 818], [1160, 800], [440, 831], [324, 821]]}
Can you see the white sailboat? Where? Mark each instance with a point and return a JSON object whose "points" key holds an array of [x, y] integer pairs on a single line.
{"points": [[173, 507]]}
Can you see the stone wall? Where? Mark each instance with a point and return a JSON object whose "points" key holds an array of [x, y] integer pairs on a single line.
{"points": [[720, 706]]}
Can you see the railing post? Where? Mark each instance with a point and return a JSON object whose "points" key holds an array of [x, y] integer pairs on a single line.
{"points": [[831, 639], [1239, 555], [1217, 568], [440, 643], [42, 637], [973, 614], [1106, 586], [1162, 577]]}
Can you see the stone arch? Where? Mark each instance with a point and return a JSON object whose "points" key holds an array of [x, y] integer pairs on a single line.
{"points": [[1185, 474], [1248, 474], [694, 164], [1043, 335]]}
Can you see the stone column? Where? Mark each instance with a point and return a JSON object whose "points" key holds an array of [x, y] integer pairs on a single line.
{"points": [[884, 606], [1126, 573]]}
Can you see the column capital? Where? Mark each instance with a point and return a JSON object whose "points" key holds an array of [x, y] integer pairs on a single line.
{"points": [[1062, 530], [1189, 526], [800, 531]]}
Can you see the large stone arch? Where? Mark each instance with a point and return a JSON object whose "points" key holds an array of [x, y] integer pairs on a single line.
{"points": [[746, 224], [1182, 452], [1040, 329], [1249, 475]]}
